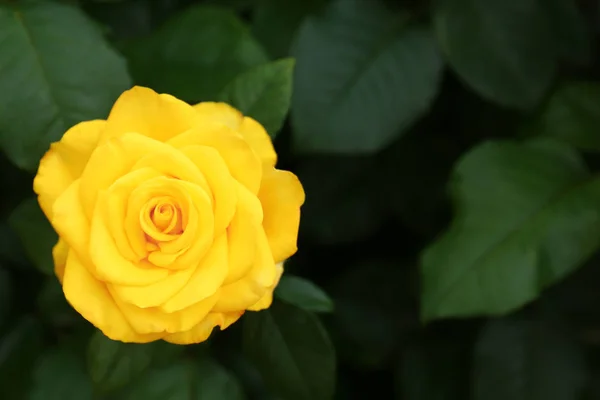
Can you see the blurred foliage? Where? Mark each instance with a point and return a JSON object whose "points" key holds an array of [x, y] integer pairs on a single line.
{"points": [[449, 152]]}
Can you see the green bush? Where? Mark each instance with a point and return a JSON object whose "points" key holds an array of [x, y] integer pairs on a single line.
{"points": [[449, 151]]}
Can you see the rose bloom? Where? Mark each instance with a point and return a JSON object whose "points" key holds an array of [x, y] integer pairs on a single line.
{"points": [[172, 219]]}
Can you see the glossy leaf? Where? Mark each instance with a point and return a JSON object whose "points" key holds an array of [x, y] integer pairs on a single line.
{"points": [[292, 351], [60, 375], [195, 54], [36, 234], [185, 380], [526, 215], [57, 70], [501, 49], [364, 74], [263, 93], [571, 115], [303, 293]]}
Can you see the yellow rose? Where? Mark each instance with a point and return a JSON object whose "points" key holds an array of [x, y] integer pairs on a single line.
{"points": [[172, 218]]}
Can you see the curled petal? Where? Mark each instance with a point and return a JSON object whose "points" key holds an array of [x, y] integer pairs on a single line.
{"points": [[64, 162], [281, 195]]}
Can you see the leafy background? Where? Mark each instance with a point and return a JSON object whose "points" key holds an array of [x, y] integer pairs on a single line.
{"points": [[449, 151]]}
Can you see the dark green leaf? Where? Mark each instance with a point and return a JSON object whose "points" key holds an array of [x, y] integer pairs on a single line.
{"points": [[526, 359], [502, 49], [572, 115], [263, 93], [275, 22], [195, 54], [363, 75], [526, 215], [292, 351], [204, 380], [60, 375], [113, 364], [36, 234], [303, 293], [57, 70], [19, 349]]}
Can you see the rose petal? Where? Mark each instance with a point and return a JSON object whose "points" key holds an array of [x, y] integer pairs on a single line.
{"points": [[154, 320], [65, 161], [93, 301], [220, 181], [202, 331], [142, 110], [243, 164], [206, 279], [245, 292], [260, 141], [281, 195]]}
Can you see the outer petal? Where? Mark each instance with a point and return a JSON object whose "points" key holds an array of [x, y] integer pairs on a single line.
{"points": [[154, 320], [202, 331], [245, 292], [142, 110], [92, 300], [223, 113], [64, 162], [267, 299], [71, 223], [281, 195], [259, 140], [59, 254], [242, 162]]}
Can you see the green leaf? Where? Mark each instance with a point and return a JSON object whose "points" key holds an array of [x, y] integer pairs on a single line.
{"points": [[36, 234], [263, 93], [502, 49], [526, 359], [526, 215], [275, 22], [183, 380], [195, 54], [571, 115], [57, 70], [60, 375], [363, 75], [303, 293], [113, 364], [292, 351], [19, 349]]}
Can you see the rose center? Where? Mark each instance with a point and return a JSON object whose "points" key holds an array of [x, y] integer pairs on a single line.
{"points": [[165, 215]]}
